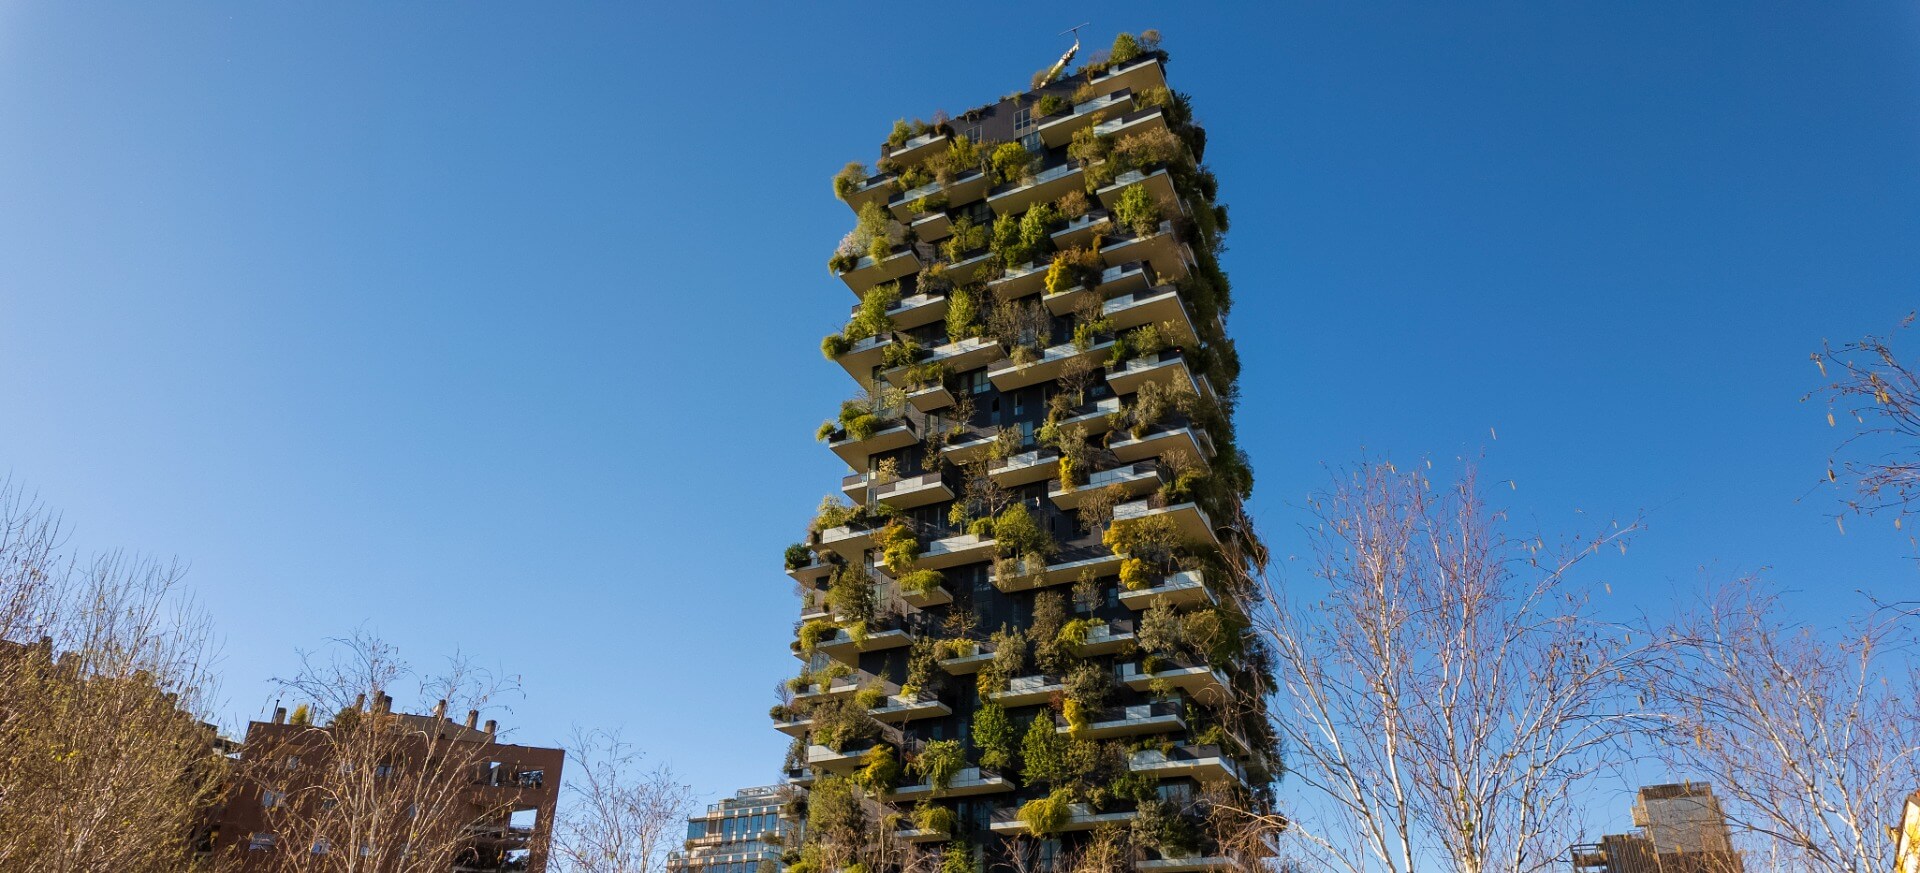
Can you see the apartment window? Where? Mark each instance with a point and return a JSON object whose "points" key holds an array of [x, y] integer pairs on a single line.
{"points": [[328, 803], [320, 847], [1113, 596], [1032, 142], [1049, 854], [531, 778], [696, 830], [270, 798], [973, 134], [292, 762], [1022, 120], [978, 383], [261, 841], [383, 771]]}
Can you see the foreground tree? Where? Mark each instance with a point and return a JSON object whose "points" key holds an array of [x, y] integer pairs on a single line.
{"points": [[1447, 688], [1877, 396], [105, 764], [622, 818], [1812, 736], [375, 789]]}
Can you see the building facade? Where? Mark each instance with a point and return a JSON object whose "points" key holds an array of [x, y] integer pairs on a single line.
{"points": [[1023, 612], [389, 785], [1906, 853], [745, 833], [1682, 830]]}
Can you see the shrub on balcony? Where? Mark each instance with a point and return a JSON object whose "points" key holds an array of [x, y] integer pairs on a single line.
{"points": [[832, 512], [842, 262], [1012, 163], [1134, 575], [850, 594], [1136, 210], [1152, 537], [1074, 632], [781, 712], [838, 724], [1089, 147], [903, 132], [939, 762], [833, 345], [933, 817], [967, 238], [929, 203], [1017, 533], [879, 770], [1073, 204], [1049, 105], [1156, 146], [993, 736], [1071, 268], [1043, 753], [957, 858], [814, 632], [925, 374], [798, 555], [1045, 816], [870, 696], [899, 548], [922, 582], [1086, 334], [850, 177], [1125, 49]]}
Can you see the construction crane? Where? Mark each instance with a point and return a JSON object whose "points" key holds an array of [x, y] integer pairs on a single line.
{"points": [[1060, 65]]}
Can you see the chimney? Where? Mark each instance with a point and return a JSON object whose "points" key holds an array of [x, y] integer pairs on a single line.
{"points": [[473, 718], [440, 710], [279, 715], [360, 703], [382, 702], [492, 726]]}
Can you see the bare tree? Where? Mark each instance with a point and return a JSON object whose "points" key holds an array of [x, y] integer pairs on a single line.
{"points": [[1450, 689], [623, 817], [1869, 384], [376, 789], [105, 764], [1813, 736]]}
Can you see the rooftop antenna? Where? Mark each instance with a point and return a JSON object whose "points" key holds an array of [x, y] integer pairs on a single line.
{"points": [[1061, 64]]}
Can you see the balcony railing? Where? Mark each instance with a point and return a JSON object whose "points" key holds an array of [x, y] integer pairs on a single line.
{"points": [[1120, 721]]}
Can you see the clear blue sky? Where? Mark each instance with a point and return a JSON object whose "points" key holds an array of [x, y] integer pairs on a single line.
{"points": [[494, 325]]}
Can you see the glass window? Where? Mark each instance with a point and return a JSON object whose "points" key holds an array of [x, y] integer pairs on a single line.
{"points": [[1022, 120], [1032, 142], [261, 841], [696, 829]]}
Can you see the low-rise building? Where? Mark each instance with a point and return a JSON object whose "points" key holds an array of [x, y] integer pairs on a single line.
{"points": [[745, 833], [1682, 830]]}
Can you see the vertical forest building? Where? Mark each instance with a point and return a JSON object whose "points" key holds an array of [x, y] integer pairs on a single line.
{"points": [[1022, 641]]}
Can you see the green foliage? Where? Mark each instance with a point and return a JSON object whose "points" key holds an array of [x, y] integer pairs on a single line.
{"points": [[962, 153], [1088, 146], [871, 319], [1045, 816], [850, 177], [1125, 49], [1011, 162], [879, 770], [834, 809], [842, 262], [963, 314], [900, 134], [967, 238], [1086, 334], [939, 762], [933, 817], [814, 632], [1017, 533], [1137, 211], [838, 724], [1075, 267], [1043, 631], [833, 345], [921, 582], [958, 858], [850, 594], [302, 716], [1134, 575], [832, 512], [993, 736], [1153, 536], [1043, 753], [871, 696], [923, 669], [1074, 632], [797, 556], [899, 548], [1050, 104]]}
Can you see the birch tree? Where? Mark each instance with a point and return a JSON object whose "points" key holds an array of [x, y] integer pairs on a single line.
{"points": [[623, 818]]}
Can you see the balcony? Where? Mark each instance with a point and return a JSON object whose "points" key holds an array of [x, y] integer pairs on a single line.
{"points": [[1206, 763], [959, 356], [843, 648], [1121, 125], [1059, 131], [932, 227], [864, 355], [820, 758], [1008, 376], [920, 836], [1097, 417], [899, 708], [799, 776], [844, 686], [976, 267], [854, 487], [1203, 682], [1184, 588], [1162, 249], [1028, 690], [1034, 466], [1080, 817], [1195, 864], [1024, 578], [1106, 638], [964, 189], [816, 569], [938, 595], [1128, 721], [1021, 281], [889, 436], [968, 447], [917, 149], [908, 313], [1142, 74], [968, 782], [912, 491], [1161, 306], [794, 726], [867, 273], [1168, 368], [968, 664], [1188, 518], [1047, 186], [1159, 183], [955, 550], [1081, 231], [1160, 440], [849, 542], [874, 190], [1133, 480], [1124, 279], [931, 398]]}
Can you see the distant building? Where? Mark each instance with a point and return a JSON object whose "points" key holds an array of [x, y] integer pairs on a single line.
{"points": [[741, 834], [509, 791], [1906, 854], [1682, 830]]}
